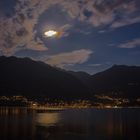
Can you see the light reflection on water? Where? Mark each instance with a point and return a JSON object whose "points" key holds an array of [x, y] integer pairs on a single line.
{"points": [[76, 124], [47, 119], [17, 124]]}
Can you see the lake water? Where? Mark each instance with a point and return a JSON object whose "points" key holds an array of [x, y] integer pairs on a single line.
{"points": [[72, 124]]}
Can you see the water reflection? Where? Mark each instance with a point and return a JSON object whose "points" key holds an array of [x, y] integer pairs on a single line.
{"points": [[76, 124], [92, 124], [17, 123], [47, 119]]}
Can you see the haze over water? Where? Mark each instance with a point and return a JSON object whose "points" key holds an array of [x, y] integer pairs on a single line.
{"points": [[72, 124]]}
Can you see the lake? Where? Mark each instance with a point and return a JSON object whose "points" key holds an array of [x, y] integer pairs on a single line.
{"points": [[71, 124]]}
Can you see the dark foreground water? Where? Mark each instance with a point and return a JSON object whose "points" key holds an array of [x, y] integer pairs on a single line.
{"points": [[76, 124]]}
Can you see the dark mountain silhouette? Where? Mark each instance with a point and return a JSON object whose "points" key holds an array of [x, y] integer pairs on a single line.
{"points": [[84, 77], [23, 76], [119, 80]]}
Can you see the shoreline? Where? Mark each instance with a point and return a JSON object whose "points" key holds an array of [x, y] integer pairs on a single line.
{"points": [[66, 108]]}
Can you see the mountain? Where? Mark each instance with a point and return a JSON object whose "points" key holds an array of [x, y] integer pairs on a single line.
{"points": [[23, 76], [84, 77], [35, 79], [119, 80]]}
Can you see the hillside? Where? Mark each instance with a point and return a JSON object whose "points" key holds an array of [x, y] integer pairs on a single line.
{"points": [[119, 80], [23, 76], [35, 79]]}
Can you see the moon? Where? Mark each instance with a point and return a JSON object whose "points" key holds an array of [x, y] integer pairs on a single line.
{"points": [[50, 33]]}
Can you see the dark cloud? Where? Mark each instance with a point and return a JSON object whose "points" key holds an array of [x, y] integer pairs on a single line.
{"points": [[87, 13], [22, 32]]}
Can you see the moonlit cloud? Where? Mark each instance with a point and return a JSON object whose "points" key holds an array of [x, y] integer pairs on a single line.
{"points": [[18, 31], [82, 25], [124, 22], [95, 65], [101, 31], [130, 44], [68, 58], [103, 12], [63, 30]]}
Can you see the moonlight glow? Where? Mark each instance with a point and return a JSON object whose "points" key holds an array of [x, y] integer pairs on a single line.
{"points": [[50, 33]]}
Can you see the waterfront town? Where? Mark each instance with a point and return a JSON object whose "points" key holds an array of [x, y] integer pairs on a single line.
{"points": [[98, 102]]}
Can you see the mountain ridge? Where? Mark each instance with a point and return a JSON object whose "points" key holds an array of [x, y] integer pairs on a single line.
{"points": [[35, 78]]}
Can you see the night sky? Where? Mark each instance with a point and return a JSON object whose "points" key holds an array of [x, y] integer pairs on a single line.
{"points": [[93, 34]]}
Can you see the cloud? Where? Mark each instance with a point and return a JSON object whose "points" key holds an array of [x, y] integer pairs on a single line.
{"points": [[64, 30], [130, 44], [68, 58], [95, 65], [101, 31], [124, 22], [116, 13], [18, 32]]}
